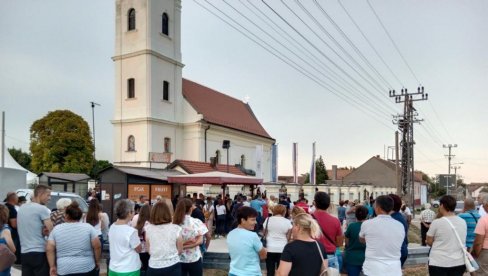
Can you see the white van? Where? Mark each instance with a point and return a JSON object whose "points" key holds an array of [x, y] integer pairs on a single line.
{"points": [[55, 196]]}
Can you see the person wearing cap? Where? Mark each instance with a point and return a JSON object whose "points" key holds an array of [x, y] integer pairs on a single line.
{"points": [[426, 218]]}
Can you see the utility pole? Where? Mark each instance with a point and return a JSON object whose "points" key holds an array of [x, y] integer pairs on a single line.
{"points": [[405, 124], [93, 126], [449, 157]]}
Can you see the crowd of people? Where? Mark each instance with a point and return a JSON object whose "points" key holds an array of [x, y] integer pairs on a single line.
{"points": [[170, 237]]}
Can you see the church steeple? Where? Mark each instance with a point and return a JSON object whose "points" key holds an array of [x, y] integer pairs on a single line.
{"points": [[148, 98]]}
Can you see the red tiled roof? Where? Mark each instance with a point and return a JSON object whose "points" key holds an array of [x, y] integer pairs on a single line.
{"points": [[341, 173], [220, 109], [192, 167]]}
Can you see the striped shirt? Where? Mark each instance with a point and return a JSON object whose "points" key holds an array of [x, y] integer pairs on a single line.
{"points": [[471, 217], [74, 252]]}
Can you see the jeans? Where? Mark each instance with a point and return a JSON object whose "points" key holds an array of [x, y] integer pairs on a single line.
{"points": [[35, 264], [423, 233], [220, 225], [174, 270], [192, 269], [354, 270], [272, 263], [333, 261]]}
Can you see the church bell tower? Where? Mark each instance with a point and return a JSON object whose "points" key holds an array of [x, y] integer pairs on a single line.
{"points": [[148, 79]]}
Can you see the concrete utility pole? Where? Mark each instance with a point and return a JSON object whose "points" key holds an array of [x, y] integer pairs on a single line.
{"points": [[449, 157], [405, 124]]}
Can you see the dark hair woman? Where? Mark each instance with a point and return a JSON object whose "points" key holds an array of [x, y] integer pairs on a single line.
{"points": [[142, 221], [245, 247], [192, 233], [94, 217], [73, 247]]}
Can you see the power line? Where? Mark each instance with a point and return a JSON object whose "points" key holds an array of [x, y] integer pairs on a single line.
{"points": [[318, 50], [351, 43], [273, 51], [378, 106], [330, 47], [337, 44], [393, 42], [316, 60], [370, 44]]}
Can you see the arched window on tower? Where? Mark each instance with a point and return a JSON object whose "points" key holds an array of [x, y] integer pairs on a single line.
{"points": [[165, 27], [131, 20], [167, 144], [131, 143]]}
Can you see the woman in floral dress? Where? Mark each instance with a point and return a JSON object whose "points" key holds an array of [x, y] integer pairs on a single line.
{"points": [[193, 231]]}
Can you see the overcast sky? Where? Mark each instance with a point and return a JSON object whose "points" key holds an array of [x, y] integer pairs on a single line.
{"points": [[56, 55]]}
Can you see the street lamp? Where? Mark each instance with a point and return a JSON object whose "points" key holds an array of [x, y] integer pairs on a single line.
{"points": [[93, 104]]}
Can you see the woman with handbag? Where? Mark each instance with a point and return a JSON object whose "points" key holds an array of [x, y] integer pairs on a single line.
{"points": [[304, 255], [277, 232], [447, 237], [6, 239]]}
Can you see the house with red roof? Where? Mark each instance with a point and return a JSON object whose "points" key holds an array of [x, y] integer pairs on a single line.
{"points": [[161, 118]]}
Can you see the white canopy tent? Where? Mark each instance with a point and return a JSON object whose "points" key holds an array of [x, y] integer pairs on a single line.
{"points": [[30, 178]]}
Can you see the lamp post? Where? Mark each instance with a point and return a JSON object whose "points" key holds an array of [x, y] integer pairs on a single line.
{"points": [[93, 125]]}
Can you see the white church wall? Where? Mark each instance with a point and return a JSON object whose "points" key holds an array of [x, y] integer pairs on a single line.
{"points": [[160, 108], [168, 45], [135, 40], [139, 131], [136, 107]]}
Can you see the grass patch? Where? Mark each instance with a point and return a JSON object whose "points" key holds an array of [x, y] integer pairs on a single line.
{"points": [[414, 234]]}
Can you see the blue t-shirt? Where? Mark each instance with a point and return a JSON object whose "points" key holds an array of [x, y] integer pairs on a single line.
{"points": [[257, 205], [471, 217], [341, 212], [399, 217], [244, 247]]}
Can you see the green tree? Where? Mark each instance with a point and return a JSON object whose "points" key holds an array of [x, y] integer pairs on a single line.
{"points": [[320, 172], [98, 166], [61, 142], [23, 158]]}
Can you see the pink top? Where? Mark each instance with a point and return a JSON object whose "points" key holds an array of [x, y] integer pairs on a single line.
{"points": [[482, 229]]}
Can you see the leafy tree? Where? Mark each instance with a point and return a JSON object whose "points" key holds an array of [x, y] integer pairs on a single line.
{"points": [[23, 158], [61, 142], [98, 166], [320, 172]]}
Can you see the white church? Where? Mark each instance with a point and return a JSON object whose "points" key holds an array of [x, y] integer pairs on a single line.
{"points": [[159, 116]]}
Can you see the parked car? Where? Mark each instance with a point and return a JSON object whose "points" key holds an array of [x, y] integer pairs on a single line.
{"points": [[435, 203], [459, 207], [28, 193]]}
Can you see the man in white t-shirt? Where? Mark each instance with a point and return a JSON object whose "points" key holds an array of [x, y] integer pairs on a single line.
{"points": [[383, 236], [482, 210]]}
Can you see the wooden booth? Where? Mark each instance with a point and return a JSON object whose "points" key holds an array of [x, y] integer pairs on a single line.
{"points": [[130, 182], [66, 182]]}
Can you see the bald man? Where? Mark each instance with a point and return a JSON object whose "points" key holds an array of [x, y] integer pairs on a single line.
{"points": [[471, 216]]}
